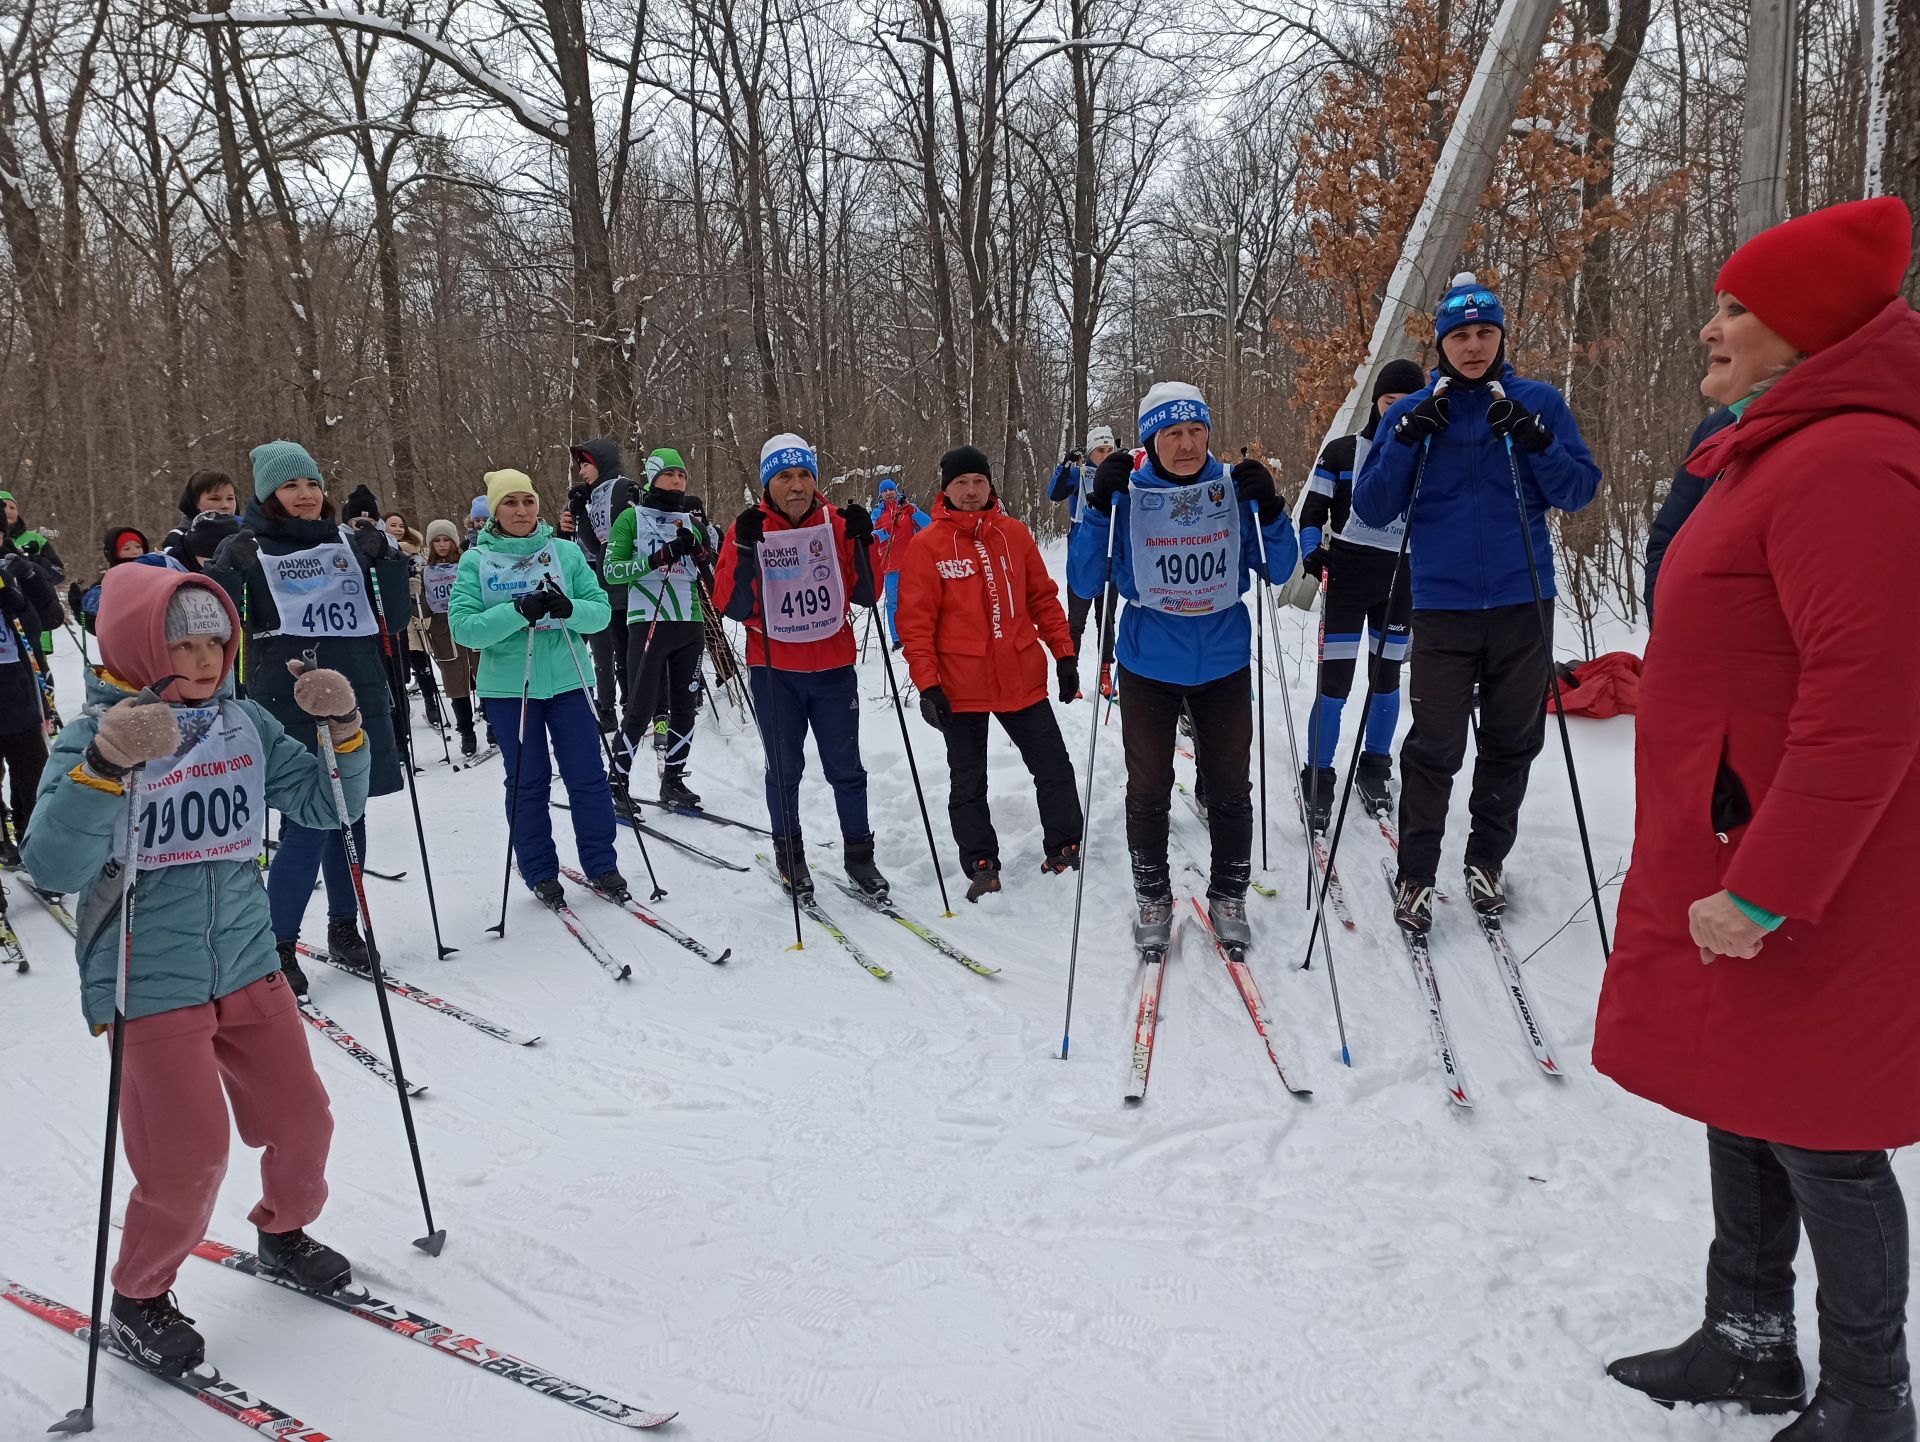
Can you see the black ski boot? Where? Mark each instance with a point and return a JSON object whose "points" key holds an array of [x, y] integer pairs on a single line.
{"points": [[9, 852], [345, 945], [612, 885], [1486, 893], [1373, 779], [463, 723], [1062, 858], [550, 892], [790, 857], [675, 792], [1697, 1372], [609, 721], [290, 967], [1413, 905], [1317, 785], [860, 868], [312, 1266], [156, 1335], [1828, 1419], [623, 803], [982, 879]]}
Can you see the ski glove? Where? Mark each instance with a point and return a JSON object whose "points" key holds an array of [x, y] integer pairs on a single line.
{"points": [[1068, 670], [239, 552], [371, 544], [1518, 424], [1253, 482], [749, 529], [936, 708], [859, 524], [534, 605], [13, 600], [1314, 563], [1113, 475], [1423, 422], [132, 733], [209, 531], [559, 603], [326, 696], [687, 544]]}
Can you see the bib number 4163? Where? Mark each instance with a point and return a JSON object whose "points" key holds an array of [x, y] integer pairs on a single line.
{"points": [[329, 616]]}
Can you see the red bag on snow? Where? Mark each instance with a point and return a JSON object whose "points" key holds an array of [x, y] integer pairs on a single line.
{"points": [[1606, 686]]}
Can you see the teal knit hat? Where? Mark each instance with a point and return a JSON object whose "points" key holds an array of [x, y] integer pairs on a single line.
{"points": [[278, 462]]}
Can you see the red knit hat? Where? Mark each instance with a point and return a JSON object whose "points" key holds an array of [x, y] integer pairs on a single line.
{"points": [[1816, 279]]}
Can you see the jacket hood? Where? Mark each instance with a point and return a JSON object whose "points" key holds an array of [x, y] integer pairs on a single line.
{"points": [[132, 625], [488, 539], [111, 537], [290, 528], [604, 452], [1868, 373]]}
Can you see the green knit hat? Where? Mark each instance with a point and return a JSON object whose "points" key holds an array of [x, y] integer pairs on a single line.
{"points": [[278, 462], [669, 460]]}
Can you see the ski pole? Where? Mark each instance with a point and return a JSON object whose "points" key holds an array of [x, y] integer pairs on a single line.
{"points": [[436, 1237], [513, 810], [80, 1419], [1366, 709], [913, 770], [1306, 826], [1553, 683], [606, 746], [1260, 673], [406, 759], [787, 819], [867, 635], [1109, 606]]}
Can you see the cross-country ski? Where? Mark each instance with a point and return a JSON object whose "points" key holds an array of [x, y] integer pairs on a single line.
{"points": [[423, 997]]}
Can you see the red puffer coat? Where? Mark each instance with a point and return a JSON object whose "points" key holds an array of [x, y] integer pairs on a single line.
{"points": [[975, 603], [1783, 684]]}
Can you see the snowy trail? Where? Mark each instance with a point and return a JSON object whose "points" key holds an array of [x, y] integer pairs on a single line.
{"points": [[796, 1203]]}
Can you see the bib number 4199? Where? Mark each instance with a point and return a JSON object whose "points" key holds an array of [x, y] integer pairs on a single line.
{"points": [[811, 601]]}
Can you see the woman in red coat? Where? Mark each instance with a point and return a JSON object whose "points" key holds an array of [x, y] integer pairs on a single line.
{"points": [[1765, 979], [975, 604]]}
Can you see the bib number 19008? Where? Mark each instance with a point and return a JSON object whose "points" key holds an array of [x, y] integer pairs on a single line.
{"points": [[806, 602], [211, 815], [1191, 568]]}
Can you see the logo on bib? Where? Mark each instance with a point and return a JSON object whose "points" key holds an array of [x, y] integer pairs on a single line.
{"points": [[816, 547], [341, 564], [954, 570], [1216, 493], [1186, 507], [1152, 501]]}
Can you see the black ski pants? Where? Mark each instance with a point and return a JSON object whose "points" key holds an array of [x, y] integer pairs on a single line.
{"points": [[1356, 615], [1222, 741], [24, 754], [1037, 735], [1078, 607], [610, 667], [1856, 1224], [663, 677], [1502, 652]]}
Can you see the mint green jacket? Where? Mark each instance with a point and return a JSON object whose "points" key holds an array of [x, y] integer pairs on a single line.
{"points": [[493, 626]]}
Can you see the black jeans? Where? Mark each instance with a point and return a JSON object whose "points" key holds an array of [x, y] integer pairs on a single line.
{"points": [[1078, 607], [1222, 741], [609, 645], [1856, 1222], [1501, 651], [663, 677], [1037, 735], [24, 754]]}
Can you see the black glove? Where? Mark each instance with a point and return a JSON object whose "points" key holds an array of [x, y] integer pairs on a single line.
{"points": [[1314, 563], [1518, 424], [687, 544], [1252, 481], [935, 707], [534, 605], [1424, 421], [13, 600], [559, 603], [239, 552], [749, 528], [1113, 475], [859, 524], [1068, 670], [1072, 458], [371, 544], [208, 530]]}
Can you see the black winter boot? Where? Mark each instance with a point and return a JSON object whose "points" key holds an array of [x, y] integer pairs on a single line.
{"points": [[550, 891], [611, 884], [155, 1334], [345, 945], [463, 722], [1828, 1419], [675, 792], [307, 1264], [1317, 784], [860, 868], [790, 856], [983, 879], [1062, 858], [1697, 1371], [290, 966]]}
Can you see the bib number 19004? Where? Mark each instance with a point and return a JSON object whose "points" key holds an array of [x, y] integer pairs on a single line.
{"points": [[210, 815], [1190, 568]]}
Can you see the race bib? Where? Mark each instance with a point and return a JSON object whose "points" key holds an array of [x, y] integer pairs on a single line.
{"points": [[504, 579], [673, 588], [1186, 547], [211, 803], [320, 591], [436, 584], [600, 508], [803, 596]]}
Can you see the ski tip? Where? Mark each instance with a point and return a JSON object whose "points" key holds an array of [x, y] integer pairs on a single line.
{"points": [[723, 956], [625, 974], [80, 1419], [1134, 1101], [432, 1242]]}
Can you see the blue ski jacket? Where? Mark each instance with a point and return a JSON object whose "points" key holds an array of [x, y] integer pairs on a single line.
{"points": [[1176, 650], [1467, 546]]}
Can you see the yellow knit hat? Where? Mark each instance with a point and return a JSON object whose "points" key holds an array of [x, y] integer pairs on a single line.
{"points": [[506, 483]]}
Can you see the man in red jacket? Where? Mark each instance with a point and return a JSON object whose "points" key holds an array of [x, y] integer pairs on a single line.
{"points": [[788, 569], [975, 604]]}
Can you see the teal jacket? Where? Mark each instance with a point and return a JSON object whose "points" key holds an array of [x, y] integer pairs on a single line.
{"points": [[490, 624], [200, 931]]}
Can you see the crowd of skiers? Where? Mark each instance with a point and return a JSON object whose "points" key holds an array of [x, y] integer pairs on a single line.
{"points": [[257, 661]]}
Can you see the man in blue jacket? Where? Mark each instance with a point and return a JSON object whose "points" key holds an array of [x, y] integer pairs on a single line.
{"points": [[1466, 441], [1072, 480], [1186, 537]]}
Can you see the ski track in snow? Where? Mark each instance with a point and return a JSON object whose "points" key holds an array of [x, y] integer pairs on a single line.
{"points": [[797, 1203]]}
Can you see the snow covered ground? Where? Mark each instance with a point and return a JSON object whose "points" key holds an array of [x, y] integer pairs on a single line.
{"points": [[798, 1203]]}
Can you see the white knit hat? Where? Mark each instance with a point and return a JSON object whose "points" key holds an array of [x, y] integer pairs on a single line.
{"points": [[1170, 403], [1098, 436]]}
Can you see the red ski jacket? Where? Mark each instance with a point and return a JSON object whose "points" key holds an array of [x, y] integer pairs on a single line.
{"points": [[975, 603], [736, 592], [1606, 686], [1778, 757]]}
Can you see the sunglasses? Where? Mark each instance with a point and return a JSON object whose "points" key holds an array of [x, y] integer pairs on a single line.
{"points": [[1475, 300]]}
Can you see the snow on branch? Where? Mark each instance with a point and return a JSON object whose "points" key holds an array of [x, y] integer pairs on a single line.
{"points": [[529, 112]]}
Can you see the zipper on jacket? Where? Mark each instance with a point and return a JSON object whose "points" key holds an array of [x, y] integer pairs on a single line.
{"points": [[213, 956]]}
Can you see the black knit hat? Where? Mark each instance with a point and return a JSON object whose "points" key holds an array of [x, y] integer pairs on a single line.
{"points": [[362, 502], [964, 461], [1399, 378]]}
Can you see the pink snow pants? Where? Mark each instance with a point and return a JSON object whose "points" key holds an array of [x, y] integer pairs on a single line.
{"points": [[182, 1068]]}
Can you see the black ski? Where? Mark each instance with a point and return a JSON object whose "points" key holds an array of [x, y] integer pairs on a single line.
{"points": [[479, 758], [700, 813], [659, 835]]}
